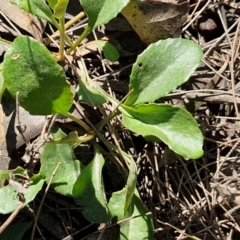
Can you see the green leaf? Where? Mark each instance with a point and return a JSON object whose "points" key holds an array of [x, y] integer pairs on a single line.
{"points": [[161, 68], [69, 168], [102, 11], [86, 93], [3, 85], [6, 175], [52, 3], [110, 52], [38, 8], [31, 70], [138, 227], [10, 197], [59, 7], [73, 139], [15, 231], [173, 125], [120, 201], [36, 184], [88, 191]]}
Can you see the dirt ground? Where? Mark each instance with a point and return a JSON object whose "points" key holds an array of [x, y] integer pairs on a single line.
{"points": [[189, 199]]}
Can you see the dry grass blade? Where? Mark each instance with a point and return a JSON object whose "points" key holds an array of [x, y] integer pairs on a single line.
{"points": [[201, 198]]}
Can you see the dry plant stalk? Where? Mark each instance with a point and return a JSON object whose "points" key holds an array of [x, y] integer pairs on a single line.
{"points": [[156, 19]]}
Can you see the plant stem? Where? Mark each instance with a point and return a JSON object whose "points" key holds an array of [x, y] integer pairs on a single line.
{"points": [[80, 122], [61, 29], [4, 41], [87, 137], [118, 105], [79, 40], [106, 119], [55, 23], [114, 101], [68, 40], [75, 139], [74, 20], [67, 26]]}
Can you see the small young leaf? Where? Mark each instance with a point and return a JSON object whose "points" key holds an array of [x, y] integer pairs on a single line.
{"points": [[6, 175], [102, 11], [120, 201], [69, 169], [110, 52], [59, 7], [52, 3], [88, 191], [140, 226], [173, 125], [72, 138], [31, 70], [38, 8], [161, 68]]}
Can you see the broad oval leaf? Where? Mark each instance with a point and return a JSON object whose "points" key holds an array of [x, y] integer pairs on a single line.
{"points": [[38, 8], [30, 70], [161, 68], [88, 191], [102, 11], [69, 168], [173, 125]]}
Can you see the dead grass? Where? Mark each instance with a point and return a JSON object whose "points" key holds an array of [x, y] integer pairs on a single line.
{"points": [[189, 199], [201, 198]]}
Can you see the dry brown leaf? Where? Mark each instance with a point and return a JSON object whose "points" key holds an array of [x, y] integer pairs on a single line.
{"points": [[4, 158], [10, 140], [23, 19], [156, 19]]}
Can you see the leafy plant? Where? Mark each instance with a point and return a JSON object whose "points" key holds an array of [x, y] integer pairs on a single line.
{"points": [[30, 71]]}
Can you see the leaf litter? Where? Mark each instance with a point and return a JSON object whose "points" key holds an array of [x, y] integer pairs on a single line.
{"points": [[197, 197]]}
